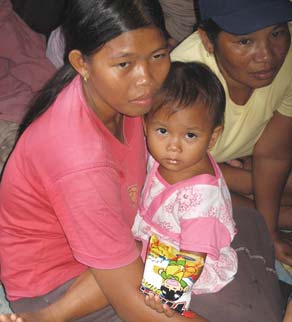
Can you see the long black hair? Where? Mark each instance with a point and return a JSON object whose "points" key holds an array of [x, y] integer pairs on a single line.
{"points": [[88, 25]]}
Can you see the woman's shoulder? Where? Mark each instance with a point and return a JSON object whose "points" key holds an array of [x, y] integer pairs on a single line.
{"points": [[65, 135]]}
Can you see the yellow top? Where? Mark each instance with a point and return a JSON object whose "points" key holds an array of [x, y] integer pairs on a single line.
{"points": [[243, 123]]}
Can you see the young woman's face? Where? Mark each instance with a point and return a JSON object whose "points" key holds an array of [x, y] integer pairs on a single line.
{"points": [[253, 60], [179, 141], [126, 73]]}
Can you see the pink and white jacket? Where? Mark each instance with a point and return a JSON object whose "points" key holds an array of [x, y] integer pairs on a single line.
{"points": [[193, 215]]}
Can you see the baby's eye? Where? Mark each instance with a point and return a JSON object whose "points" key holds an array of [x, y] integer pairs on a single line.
{"points": [[161, 131], [191, 136]]}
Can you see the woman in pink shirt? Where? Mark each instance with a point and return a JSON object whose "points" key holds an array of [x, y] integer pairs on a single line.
{"points": [[70, 189]]}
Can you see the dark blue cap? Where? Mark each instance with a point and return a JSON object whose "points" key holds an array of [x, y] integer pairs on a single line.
{"points": [[245, 16]]}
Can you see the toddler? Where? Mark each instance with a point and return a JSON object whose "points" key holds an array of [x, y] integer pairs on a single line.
{"points": [[185, 201]]}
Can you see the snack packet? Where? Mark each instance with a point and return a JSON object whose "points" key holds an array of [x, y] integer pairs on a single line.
{"points": [[171, 274]]}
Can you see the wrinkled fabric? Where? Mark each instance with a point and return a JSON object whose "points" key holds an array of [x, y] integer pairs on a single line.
{"points": [[24, 68], [179, 17]]}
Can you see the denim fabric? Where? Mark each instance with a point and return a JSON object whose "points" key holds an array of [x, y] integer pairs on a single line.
{"points": [[4, 306]]}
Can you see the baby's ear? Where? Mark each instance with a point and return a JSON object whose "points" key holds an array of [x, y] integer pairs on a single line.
{"points": [[215, 135]]}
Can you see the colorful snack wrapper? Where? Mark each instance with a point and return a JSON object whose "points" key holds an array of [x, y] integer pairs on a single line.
{"points": [[170, 274]]}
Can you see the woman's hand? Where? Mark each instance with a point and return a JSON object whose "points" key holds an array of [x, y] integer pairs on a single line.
{"points": [[236, 163], [242, 163], [283, 247], [12, 318], [154, 302], [39, 316]]}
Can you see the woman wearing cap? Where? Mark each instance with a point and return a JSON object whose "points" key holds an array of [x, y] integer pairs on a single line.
{"points": [[246, 43]]}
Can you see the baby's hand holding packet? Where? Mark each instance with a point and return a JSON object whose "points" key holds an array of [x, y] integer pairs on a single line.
{"points": [[171, 274]]}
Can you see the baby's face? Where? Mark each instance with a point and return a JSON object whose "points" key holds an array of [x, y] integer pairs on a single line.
{"points": [[179, 141]]}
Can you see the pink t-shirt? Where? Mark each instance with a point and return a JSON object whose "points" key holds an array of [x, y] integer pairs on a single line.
{"points": [[68, 197]]}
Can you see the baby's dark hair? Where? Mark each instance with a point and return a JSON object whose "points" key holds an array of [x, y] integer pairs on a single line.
{"points": [[190, 83]]}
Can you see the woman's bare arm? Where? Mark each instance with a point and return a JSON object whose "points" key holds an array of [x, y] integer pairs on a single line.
{"points": [[272, 161], [121, 287]]}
